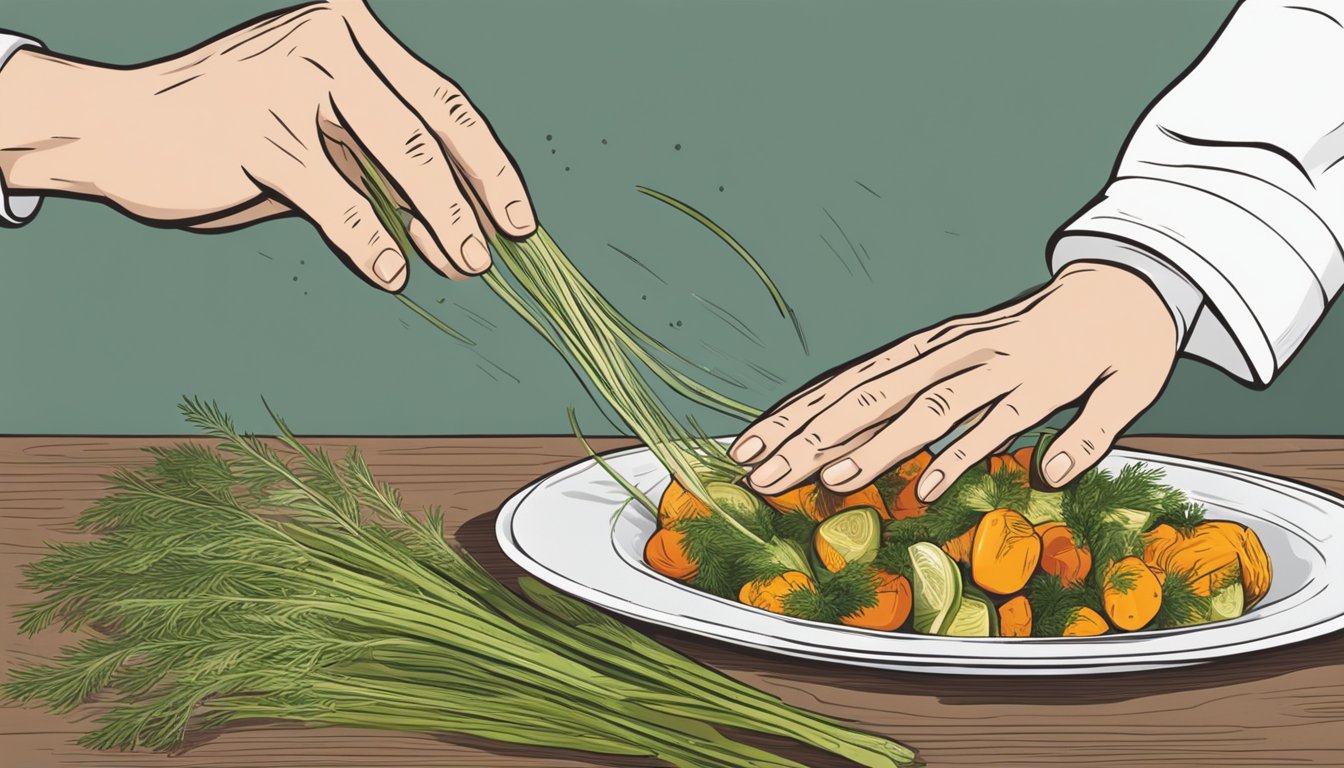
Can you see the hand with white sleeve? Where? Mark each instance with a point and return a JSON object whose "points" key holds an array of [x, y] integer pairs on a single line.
{"points": [[1218, 235], [267, 120]]}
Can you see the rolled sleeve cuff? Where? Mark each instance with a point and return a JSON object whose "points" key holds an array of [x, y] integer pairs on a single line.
{"points": [[1260, 298], [15, 210]]}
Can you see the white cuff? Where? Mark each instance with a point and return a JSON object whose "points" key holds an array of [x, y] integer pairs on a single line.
{"points": [[1182, 297], [15, 209], [1262, 295]]}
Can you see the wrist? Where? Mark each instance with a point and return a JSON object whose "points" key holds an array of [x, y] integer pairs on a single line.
{"points": [[1120, 298], [53, 107]]}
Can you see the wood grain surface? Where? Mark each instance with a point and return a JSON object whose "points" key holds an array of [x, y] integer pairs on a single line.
{"points": [[1279, 708]]}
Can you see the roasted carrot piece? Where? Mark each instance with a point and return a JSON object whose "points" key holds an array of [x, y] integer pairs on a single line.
{"points": [[1208, 554], [1015, 617], [819, 502], [769, 594], [1131, 594], [894, 600], [898, 485], [1005, 552], [1061, 555], [959, 549], [1086, 623], [1024, 456], [664, 553], [678, 503], [1256, 571]]}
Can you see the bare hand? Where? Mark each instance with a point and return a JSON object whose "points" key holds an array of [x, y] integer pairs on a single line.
{"points": [[1096, 335], [268, 120]]}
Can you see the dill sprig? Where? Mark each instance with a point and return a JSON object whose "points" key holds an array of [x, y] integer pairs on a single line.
{"points": [[795, 527], [1096, 507], [248, 579], [843, 593], [1178, 512], [973, 494], [1181, 605], [1053, 605], [894, 557]]}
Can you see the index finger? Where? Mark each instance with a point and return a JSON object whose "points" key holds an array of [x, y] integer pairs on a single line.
{"points": [[459, 125]]}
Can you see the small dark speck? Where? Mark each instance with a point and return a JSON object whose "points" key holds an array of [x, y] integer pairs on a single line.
{"points": [[677, 147], [441, 301], [566, 167], [720, 189], [646, 298], [296, 278], [300, 261], [552, 151], [950, 232], [305, 293], [604, 141], [548, 137], [678, 323]]}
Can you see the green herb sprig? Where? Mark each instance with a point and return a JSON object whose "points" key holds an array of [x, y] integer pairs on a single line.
{"points": [[246, 580]]}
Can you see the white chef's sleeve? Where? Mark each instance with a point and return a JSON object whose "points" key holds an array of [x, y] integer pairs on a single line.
{"points": [[1229, 194], [15, 209]]}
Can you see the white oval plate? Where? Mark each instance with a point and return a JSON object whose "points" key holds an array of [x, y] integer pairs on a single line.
{"points": [[569, 531]]}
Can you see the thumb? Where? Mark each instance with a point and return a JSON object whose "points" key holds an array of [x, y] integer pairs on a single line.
{"points": [[1107, 411]]}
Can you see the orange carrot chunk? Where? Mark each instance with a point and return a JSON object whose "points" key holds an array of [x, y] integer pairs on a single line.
{"points": [[1005, 552], [894, 599], [678, 503], [905, 503], [1061, 554], [819, 502], [1132, 594], [665, 554], [1015, 618], [959, 549], [1086, 623], [769, 594]]}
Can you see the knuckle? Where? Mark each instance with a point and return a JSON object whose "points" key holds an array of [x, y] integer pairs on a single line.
{"points": [[354, 217], [420, 147], [867, 397], [937, 402]]}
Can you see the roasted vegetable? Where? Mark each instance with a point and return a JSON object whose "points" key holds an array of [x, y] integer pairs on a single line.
{"points": [[894, 602], [1132, 594], [1005, 552]]}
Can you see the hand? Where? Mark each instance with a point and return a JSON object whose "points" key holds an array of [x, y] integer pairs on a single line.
{"points": [[1096, 335], [268, 120]]}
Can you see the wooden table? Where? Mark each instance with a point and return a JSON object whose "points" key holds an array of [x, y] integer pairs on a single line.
{"points": [[1283, 707]]}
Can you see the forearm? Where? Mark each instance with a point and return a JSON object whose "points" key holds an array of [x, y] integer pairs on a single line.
{"points": [[52, 107]]}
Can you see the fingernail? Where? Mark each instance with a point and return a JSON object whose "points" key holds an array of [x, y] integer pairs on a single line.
{"points": [[475, 256], [770, 471], [1057, 467], [520, 216], [389, 265], [929, 484], [748, 449], [839, 472]]}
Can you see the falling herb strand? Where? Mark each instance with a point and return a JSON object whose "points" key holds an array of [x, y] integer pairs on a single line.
{"points": [[780, 303], [434, 320], [626, 485]]}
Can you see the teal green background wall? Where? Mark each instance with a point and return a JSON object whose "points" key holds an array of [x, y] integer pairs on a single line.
{"points": [[979, 127]]}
